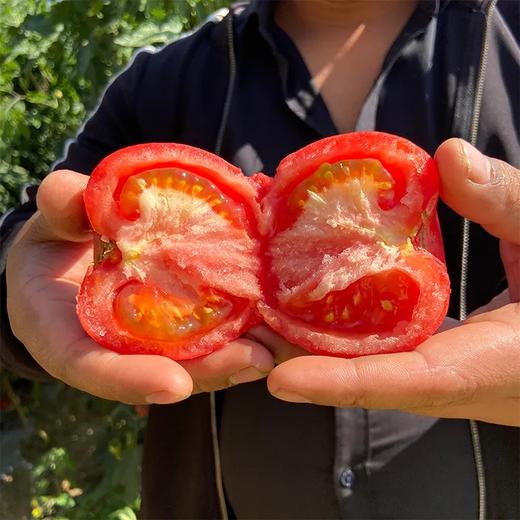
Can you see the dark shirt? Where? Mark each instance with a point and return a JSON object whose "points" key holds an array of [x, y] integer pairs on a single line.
{"points": [[299, 461]]}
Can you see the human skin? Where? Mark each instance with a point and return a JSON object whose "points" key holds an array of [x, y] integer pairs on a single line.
{"points": [[344, 44], [471, 370]]}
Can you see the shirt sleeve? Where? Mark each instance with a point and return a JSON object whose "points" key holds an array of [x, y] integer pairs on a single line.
{"points": [[113, 123], [111, 126]]}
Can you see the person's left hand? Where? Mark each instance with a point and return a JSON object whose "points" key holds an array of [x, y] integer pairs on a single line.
{"points": [[470, 371]]}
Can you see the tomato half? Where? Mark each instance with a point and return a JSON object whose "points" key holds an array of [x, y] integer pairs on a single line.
{"points": [[353, 262], [176, 254]]}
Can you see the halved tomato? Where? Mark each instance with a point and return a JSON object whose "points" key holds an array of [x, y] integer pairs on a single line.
{"points": [[345, 258], [176, 257], [353, 261]]}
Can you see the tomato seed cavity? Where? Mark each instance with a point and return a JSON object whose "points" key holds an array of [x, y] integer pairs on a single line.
{"points": [[148, 312], [372, 304], [164, 179], [342, 172]]}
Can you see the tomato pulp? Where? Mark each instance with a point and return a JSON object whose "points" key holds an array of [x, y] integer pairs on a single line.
{"points": [[352, 252], [341, 253], [176, 252]]}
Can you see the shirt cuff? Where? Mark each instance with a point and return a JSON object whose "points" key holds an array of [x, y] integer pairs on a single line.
{"points": [[13, 354]]}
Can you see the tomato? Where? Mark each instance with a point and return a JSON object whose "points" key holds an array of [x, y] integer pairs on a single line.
{"points": [[176, 253], [352, 254], [341, 253]]}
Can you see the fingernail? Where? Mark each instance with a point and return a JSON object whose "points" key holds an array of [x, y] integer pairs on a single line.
{"points": [[246, 375], [288, 396], [477, 164], [164, 397]]}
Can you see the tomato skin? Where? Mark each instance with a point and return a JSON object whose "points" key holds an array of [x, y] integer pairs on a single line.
{"points": [[168, 251], [109, 175], [257, 262], [299, 262]]}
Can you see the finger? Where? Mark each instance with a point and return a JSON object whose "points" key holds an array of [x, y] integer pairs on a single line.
{"points": [[280, 348], [504, 411], [132, 379], [482, 189], [60, 201], [510, 254], [476, 360], [240, 361]]}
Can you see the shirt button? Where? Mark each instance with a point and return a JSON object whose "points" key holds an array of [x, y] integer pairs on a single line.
{"points": [[346, 478]]}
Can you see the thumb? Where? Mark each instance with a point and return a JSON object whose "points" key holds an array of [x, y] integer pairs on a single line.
{"points": [[62, 211], [482, 189]]}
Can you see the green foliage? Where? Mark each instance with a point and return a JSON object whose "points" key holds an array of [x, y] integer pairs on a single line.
{"points": [[64, 454], [55, 59], [79, 460]]}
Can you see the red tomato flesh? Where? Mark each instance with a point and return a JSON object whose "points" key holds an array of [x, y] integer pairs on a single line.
{"points": [[176, 265], [345, 268], [341, 253], [373, 303]]}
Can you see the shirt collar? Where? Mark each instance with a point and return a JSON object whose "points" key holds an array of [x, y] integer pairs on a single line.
{"points": [[256, 18]]}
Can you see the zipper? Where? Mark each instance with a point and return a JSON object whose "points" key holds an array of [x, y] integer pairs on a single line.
{"points": [[216, 458], [231, 82], [217, 461], [475, 120]]}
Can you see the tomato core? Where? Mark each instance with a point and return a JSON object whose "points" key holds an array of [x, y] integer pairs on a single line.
{"points": [[372, 304], [148, 312], [161, 181]]}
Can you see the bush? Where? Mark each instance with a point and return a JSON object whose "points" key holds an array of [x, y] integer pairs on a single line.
{"points": [[55, 59]]}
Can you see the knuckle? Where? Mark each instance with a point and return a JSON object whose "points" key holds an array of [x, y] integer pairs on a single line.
{"points": [[355, 395], [443, 386], [508, 180], [448, 387], [464, 387]]}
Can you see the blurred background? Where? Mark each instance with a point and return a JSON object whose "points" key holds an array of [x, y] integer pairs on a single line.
{"points": [[64, 454]]}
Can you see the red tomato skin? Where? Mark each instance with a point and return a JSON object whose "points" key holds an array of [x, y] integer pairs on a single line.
{"points": [[109, 175], [95, 302], [404, 160], [415, 172]]}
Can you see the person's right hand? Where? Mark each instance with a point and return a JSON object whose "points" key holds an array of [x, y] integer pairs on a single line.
{"points": [[45, 268]]}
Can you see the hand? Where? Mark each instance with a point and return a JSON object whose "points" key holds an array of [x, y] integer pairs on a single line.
{"points": [[45, 268], [471, 371]]}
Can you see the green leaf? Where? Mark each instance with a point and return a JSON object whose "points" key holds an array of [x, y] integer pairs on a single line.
{"points": [[41, 98], [40, 24], [64, 500], [150, 34], [126, 513]]}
